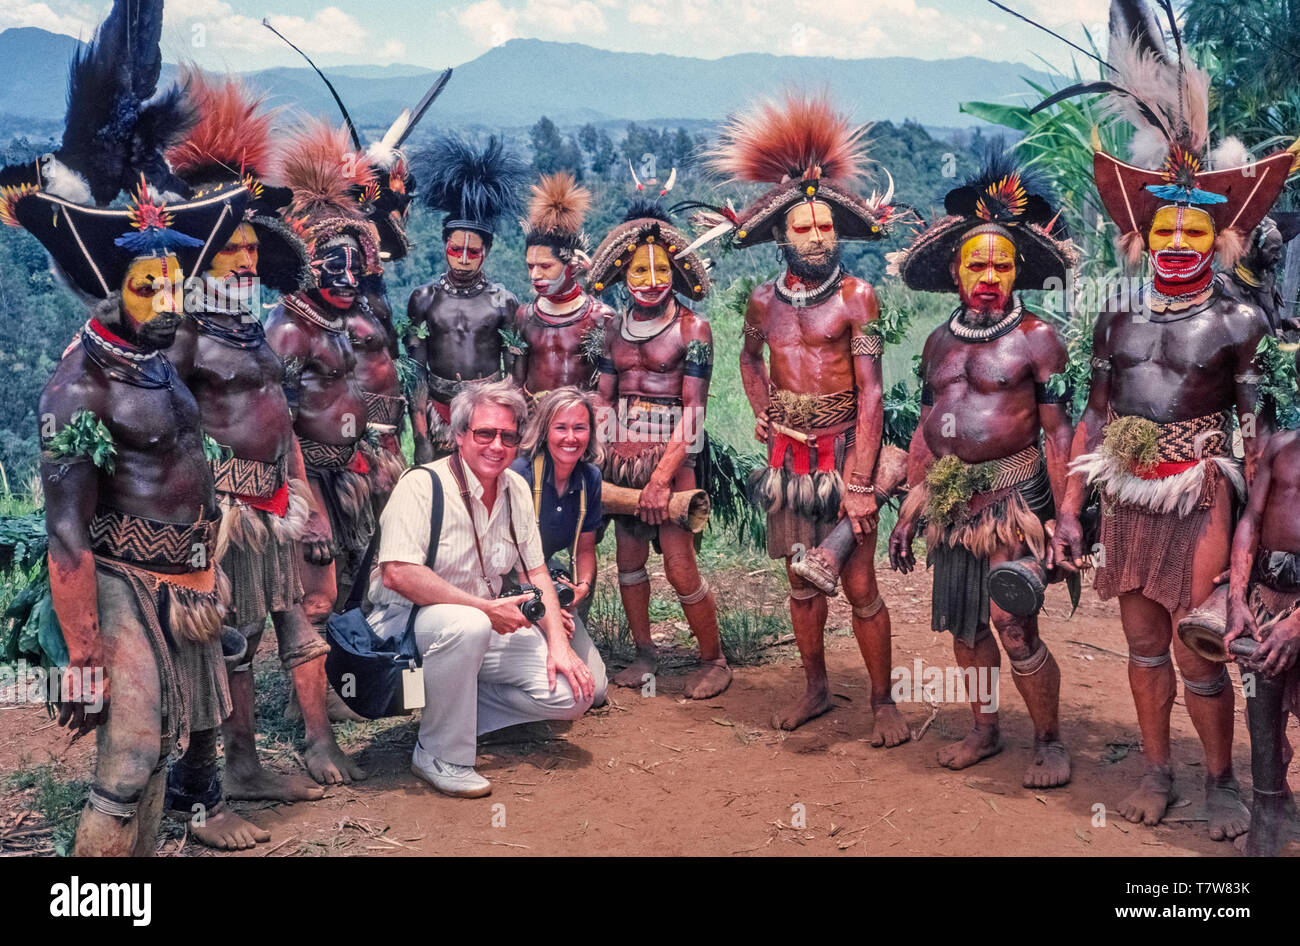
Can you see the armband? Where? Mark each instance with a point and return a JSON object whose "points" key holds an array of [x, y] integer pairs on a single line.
{"points": [[754, 333], [1044, 395], [606, 365], [927, 395], [870, 345], [699, 360], [1100, 364], [83, 439]]}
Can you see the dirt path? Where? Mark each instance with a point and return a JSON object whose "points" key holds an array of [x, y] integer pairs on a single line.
{"points": [[667, 776]]}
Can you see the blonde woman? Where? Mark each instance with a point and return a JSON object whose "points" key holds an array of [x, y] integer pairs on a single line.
{"points": [[560, 459]]}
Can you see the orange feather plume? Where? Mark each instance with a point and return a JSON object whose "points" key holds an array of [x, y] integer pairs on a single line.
{"points": [[559, 204], [321, 167], [233, 131], [802, 136]]}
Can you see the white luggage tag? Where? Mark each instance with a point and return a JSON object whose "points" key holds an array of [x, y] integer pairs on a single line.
{"points": [[412, 688]]}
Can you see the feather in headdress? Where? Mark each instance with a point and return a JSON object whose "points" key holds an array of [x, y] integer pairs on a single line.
{"points": [[112, 130], [321, 168], [559, 204], [803, 136], [233, 133], [473, 187]]}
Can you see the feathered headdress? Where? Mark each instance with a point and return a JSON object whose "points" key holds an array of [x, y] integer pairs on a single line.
{"points": [[806, 150], [556, 214], [1166, 99], [114, 140], [472, 187], [1003, 197], [322, 170], [114, 128], [646, 222], [232, 143], [387, 198]]}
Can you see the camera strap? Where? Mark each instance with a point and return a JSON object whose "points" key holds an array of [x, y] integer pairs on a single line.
{"points": [[458, 474]]}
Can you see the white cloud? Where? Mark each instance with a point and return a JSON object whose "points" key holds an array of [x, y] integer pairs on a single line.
{"points": [[72, 19], [491, 22]]}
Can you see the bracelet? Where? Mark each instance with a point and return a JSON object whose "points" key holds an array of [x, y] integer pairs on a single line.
{"points": [[860, 490]]}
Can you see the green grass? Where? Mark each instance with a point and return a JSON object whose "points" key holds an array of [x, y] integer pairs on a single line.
{"points": [[59, 802]]}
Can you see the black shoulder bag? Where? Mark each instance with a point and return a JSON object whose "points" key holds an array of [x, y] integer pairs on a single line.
{"points": [[365, 669]]}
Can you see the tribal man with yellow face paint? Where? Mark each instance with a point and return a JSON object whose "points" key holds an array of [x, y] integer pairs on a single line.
{"points": [[978, 474], [654, 386], [1170, 365]]}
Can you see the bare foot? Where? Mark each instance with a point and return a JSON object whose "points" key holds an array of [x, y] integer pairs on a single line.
{"points": [[813, 704], [1051, 765], [1151, 799], [261, 784], [1224, 808], [633, 676], [980, 743], [712, 678], [225, 830], [330, 765], [890, 729]]}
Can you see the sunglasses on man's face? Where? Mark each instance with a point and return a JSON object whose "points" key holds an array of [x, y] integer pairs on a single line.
{"points": [[485, 435]]}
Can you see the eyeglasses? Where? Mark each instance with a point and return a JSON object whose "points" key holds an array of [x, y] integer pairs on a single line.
{"points": [[485, 435]]}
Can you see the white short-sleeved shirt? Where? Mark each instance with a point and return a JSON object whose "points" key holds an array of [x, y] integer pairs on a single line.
{"points": [[404, 532]]}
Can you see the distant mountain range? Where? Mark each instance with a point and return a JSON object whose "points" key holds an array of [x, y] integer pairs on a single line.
{"points": [[513, 84]]}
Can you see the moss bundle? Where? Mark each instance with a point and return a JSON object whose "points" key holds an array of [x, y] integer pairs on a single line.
{"points": [[1133, 441], [952, 483]]}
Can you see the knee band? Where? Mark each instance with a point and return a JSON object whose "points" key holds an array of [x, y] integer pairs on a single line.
{"points": [[638, 577], [696, 596], [105, 802], [1212, 687], [1159, 660], [870, 610], [1028, 666], [304, 653], [804, 594]]}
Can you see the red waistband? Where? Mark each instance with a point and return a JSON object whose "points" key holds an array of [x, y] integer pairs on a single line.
{"points": [[1162, 470], [276, 504]]}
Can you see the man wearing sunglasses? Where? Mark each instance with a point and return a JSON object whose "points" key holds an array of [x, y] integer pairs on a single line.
{"points": [[486, 665]]}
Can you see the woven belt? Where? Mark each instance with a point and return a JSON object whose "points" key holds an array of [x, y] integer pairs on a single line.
{"points": [[1186, 441], [446, 388], [810, 411], [249, 478], [1015, 469], [326, 456], [140, 541], [384, 408]]}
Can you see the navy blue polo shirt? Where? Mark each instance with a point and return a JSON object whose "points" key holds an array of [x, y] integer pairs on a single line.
{"points": [[559, 514]]}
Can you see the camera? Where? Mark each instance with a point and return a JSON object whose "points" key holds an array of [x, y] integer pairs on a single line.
{"points": [[564, 592], [534, 610]]}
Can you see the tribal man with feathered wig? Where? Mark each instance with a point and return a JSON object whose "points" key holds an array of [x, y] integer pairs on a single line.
{"points": [[308, 330], [1168, 368], [978, 475], [559, 335], [818, 397], [268, 513]]}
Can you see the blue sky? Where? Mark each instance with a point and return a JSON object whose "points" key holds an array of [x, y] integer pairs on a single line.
{"points": [[436, 33]]}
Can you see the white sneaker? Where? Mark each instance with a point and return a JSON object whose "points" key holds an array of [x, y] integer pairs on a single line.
{"points": [[459, 781]]}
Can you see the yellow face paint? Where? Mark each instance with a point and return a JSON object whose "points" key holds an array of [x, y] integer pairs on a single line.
{"points": [[1181, 228], [649, 274], [238, 257], [153, 287], [986, 272]]}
